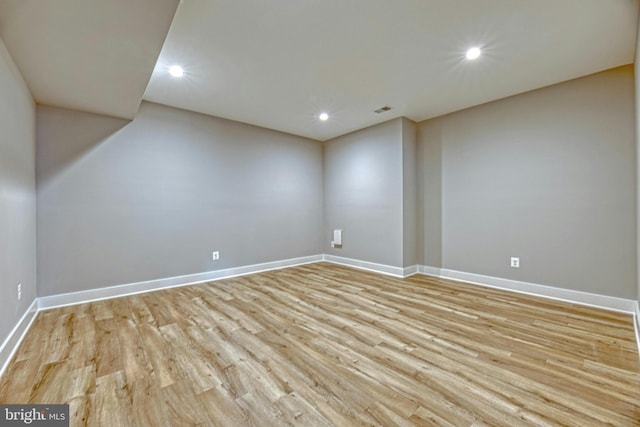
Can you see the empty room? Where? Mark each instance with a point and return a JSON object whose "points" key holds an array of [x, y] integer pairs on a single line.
{"points": [[319, 213]]}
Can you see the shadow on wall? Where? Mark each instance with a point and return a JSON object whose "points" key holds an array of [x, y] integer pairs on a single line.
{"points": [[73, 135]]}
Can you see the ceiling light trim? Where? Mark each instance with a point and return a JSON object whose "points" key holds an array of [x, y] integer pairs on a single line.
{"points": [[176, 71], [473, 53]]}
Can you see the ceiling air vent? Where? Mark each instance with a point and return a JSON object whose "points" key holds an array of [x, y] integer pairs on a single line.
{"points": [[382, 110]]}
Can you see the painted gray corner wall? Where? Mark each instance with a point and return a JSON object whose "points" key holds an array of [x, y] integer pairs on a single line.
{"points": [[410, 235], [429, 154], [122, 202], [363, 184], [637, 120], [17, 194], [547, 176]]}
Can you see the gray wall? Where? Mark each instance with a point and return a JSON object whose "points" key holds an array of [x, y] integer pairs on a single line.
{"points": [[17, 195], [637, 119], [363, 184], [409, 194], [548, 176], [122, 202], [429, 155]]}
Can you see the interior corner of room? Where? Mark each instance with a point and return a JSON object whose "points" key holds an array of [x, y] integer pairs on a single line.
{"points": [[95, 206]]}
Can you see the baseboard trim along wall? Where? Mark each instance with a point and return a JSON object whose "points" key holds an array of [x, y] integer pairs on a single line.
{"points": [[561, 294], [567, 295], [410, 271], [429, 271], [366, 265], [636, 324], [71, 298], [10, 345], [577, 297]]}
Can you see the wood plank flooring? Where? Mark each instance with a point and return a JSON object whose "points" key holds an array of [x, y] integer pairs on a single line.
{"points": [[325, 345]]}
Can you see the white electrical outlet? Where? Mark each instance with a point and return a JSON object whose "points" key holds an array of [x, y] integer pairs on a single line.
{"points": [[215, 256], [515, 262], [19, 290]]}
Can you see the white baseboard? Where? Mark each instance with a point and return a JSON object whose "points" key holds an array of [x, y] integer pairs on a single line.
{"points": [[71, 298], [410, 271], [10, 345], [636, 323], [366, 265], [567, 295], [429, 271]]}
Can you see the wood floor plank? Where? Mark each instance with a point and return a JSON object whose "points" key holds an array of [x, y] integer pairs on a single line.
{"points": [[108, 407], [147, 403], [326, 345], [222, 408]]}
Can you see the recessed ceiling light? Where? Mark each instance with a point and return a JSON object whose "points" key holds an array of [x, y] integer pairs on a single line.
{"points": [[323, 116], [474, 53], [176, 71]]}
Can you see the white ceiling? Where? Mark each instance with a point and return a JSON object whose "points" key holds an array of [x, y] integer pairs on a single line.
{"points": [[279, 63], [90, 55]]}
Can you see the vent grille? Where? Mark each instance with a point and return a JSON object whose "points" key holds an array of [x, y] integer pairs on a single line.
{"points": [[382, 110]]}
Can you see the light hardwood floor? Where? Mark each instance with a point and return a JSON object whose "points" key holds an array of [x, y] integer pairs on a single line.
{"points": [[321, 345]]}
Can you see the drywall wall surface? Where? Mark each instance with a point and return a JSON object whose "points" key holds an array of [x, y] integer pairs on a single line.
{"points": [[410, 235], [547, 176], [637, 119], [122, 202], [17, 195], [430, 191], [363, 194]]}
